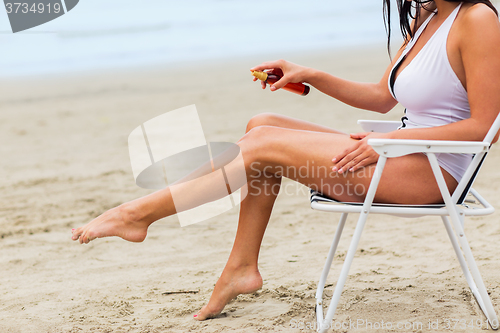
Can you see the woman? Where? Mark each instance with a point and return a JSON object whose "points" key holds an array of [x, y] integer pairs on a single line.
{"points": [[446, 75]]}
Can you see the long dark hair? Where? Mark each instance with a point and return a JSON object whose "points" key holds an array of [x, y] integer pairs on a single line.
{"points": [[409, 10]]}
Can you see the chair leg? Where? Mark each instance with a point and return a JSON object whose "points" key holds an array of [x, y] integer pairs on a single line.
{"points": [[460, 238], [370, 195], [324, 325], [463, 264], [486, 307], [326, 269]]}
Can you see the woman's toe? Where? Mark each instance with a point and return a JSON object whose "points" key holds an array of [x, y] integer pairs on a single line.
{"points": [[82, 237], [86, 238], [205, 313], [201, 314], [90, 236]]}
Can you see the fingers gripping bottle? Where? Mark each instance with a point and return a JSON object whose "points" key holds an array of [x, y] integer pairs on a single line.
{"points": [[297, 88]]}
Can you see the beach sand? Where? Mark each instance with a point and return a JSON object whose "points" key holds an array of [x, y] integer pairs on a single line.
{"points": [[65, 161]]}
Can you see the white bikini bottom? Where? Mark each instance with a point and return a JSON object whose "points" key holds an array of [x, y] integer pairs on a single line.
{"points": [[454, 164]]}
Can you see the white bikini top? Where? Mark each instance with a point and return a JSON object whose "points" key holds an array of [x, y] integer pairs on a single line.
{"points": [[428, 87]]}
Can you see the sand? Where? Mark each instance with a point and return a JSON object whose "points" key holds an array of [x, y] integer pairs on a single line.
{"points": [[65, 161]]}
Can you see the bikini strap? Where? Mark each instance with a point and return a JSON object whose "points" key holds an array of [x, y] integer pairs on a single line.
{"points": [[449, 21], [419, 32]]}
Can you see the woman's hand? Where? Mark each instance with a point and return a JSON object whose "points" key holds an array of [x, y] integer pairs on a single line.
{"points": [[358, 155], [288, 71]]}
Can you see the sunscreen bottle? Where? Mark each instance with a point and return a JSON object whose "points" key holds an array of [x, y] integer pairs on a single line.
{"points": [[298, 88]]}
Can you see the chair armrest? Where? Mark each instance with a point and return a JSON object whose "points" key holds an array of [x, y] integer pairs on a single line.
{"points": [[381, 126], [400, 147]]}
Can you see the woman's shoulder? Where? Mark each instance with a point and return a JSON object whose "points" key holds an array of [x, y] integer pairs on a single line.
{"points": [[477, 31], [478, 13]]}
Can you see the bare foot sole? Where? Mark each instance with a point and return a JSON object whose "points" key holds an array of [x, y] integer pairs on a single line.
{"points": [[115, 222], [231, 284]]}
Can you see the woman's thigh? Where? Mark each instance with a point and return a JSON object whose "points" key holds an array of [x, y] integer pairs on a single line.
{"points": [[306, 156], [278, 120]]}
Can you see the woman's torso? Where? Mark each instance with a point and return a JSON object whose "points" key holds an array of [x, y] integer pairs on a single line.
{"points": [[428, 86]]}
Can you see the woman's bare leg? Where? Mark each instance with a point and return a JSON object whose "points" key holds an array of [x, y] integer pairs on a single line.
{"points": [[281, 152], [276, 148], [278, 120], [129, 222], [241, 274]]}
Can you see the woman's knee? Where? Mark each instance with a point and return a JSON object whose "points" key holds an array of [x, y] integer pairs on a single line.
{"points": [[263, 119], [256, 142]]}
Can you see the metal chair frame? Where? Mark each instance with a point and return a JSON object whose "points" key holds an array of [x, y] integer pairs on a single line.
{"points": [[455, 207]]}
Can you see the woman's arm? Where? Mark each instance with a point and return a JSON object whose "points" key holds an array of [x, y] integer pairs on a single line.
{"points": [[368, 96]]}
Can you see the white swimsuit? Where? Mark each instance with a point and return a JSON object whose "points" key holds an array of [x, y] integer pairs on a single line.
{"points": [[431, 92]]}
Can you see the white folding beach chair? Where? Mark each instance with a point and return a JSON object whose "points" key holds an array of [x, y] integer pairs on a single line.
{"points": [[464, 201]]}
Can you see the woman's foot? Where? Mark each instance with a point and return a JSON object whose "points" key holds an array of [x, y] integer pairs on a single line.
{"points": [[232, 282], [119, 221]]}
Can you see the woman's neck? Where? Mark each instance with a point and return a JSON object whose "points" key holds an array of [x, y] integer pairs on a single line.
{"points": [[444, 8]]}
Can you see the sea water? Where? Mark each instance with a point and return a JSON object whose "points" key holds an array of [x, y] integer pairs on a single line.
{"points": [[104, 34]]}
